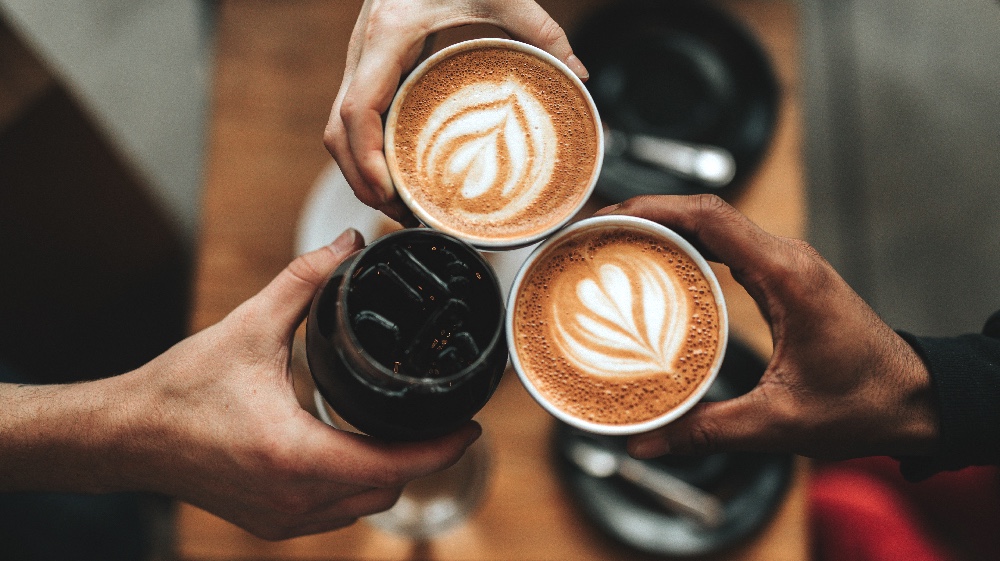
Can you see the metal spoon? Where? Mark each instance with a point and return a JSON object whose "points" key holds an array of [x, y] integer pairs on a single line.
{"points": [[711, 166], [674, 493]]}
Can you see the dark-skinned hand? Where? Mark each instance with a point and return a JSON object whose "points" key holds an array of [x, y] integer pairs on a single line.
{"points": [[840, 383]]}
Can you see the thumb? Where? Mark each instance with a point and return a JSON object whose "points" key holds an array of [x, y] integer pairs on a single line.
{"points": [[285, 299], [742, 423]]}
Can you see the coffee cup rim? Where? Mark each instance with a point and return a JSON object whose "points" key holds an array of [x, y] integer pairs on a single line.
{"points": [[631, 222], [485, 242]]}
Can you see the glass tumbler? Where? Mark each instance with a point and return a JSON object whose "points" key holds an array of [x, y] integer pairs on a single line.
{"points": [[406, 339]]}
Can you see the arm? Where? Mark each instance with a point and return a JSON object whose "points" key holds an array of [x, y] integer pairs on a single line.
{"points": [[58, 437], [840, 382], [214, 421], [388, 39]]}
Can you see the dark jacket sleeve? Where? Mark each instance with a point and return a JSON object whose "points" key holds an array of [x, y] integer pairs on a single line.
{"points": [[965, 379]]}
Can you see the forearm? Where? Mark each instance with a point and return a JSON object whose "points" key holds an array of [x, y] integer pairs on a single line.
{"points": [[68, 437]]}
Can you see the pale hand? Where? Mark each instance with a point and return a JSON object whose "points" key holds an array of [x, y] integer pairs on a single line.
{"points": [[388, 40], [214, 421]]}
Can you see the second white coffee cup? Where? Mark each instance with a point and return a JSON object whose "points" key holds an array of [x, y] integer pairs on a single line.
{"points": [[616, 325]]}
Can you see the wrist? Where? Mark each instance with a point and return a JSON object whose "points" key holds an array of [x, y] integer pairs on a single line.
{"points": [[120, 441], [917, 424]]}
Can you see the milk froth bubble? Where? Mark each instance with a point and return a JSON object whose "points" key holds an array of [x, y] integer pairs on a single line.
{"points": [[495, 142], [617, 325]]}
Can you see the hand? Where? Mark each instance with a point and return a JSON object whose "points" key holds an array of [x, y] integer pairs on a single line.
{"points": [[840, 382], [215, 422], [388, 39], [244, 449]]}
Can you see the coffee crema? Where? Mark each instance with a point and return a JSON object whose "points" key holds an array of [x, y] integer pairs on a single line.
{"points": [[616, 327], [494, 144]]}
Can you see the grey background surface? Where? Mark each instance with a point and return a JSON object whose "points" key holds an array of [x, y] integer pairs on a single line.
{"points": [[903, 133]]}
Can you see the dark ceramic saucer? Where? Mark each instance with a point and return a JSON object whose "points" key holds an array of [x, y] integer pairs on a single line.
{"points": [[683, 70], [751, 486]]}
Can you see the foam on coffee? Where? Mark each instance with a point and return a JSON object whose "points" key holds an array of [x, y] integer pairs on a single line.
{"points": [[616, 326], [494, 143]]}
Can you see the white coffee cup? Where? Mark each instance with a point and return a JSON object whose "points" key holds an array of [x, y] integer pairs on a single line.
{"points": [[591, 342], [507, 151]]}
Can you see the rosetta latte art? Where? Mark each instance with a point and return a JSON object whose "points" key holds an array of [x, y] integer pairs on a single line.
{"points": [[629, 320], [492, 146]]}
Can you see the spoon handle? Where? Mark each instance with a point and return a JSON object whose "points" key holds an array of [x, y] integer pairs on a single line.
{"points": [[711, 165], [674, 493]]}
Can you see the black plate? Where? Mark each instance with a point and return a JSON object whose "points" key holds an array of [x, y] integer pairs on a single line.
{"points": [[679, 69], [750, 485]]}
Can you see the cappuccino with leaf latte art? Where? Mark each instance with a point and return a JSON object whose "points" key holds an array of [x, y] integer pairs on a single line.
{"points": [[495, 142], [615, 324]]}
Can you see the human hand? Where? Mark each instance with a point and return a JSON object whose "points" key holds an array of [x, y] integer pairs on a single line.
{"points": [[840, 382], [214, 421], [388, 39]]}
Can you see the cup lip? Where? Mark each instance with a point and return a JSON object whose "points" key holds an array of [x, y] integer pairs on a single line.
{"points": [[625, 222], [388, 373], [486, 243]]}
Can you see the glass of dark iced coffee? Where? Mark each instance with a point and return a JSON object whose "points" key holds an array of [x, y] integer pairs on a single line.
{"points": [[406, 340]]}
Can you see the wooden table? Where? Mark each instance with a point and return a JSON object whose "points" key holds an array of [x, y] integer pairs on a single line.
{"points": [[278, 69]]}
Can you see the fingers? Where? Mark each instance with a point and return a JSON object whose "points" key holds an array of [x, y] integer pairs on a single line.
{"points": [[337, 138], [352, 475], [743, 423], [721, 233], [361, 504], [284, 301], [526, 21], [362, 116], [367, 462], [749, 422], [367, 96], [375, 61], [707, 221], [333, 477], [341, 512]]}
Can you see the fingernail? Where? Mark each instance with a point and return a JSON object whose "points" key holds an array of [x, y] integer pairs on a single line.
{"points": [[388, 190], [345, 241], [388, 193], [577, 67], [475, 435], [646, 448]]}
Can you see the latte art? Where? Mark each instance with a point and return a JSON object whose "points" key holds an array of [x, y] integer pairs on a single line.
{"points": [[494, 142], [615, 325], [630, 320], [492, 148]]}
